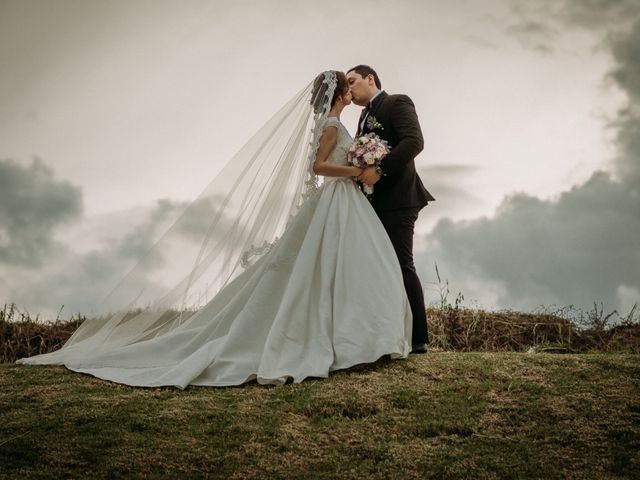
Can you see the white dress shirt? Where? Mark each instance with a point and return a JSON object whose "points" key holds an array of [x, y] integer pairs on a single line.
{"points": [[370, 103]]}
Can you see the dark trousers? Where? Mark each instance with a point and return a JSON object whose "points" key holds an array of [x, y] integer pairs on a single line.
{"points": [[399, 225]]}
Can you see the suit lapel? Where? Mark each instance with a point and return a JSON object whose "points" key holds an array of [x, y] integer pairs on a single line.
{"points": [[360, 130], [379, 100]]}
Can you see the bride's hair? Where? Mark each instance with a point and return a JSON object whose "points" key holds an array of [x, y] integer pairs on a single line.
{"points": [[319, 86]]}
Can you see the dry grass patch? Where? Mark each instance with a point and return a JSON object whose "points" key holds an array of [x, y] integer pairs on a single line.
{"points": [[452, 328]]}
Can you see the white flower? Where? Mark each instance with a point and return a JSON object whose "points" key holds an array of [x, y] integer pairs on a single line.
{"points": [[372, 123]]}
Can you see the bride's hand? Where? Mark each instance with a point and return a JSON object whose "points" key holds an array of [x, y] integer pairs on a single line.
{"points": [[369, 176]]}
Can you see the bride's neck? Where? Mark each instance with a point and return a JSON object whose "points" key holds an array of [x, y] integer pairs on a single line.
{"points": [[336, 110]]}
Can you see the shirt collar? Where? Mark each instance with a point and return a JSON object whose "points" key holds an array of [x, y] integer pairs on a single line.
{"points": [[374, 97]]}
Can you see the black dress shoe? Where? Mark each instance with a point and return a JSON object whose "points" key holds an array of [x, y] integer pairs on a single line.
{"points": [[419, 348]]}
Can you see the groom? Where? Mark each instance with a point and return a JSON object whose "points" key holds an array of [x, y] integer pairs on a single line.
{"points": [[398, 193]]}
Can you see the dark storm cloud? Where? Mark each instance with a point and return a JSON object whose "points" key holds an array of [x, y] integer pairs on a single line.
{"points": [[197, 217], [618, 25], [80, 280], [537, 23], [576, 250], [582, 247], [626, 52], [33, 205], [445, 182], [534, 34], [593, 14], [193, 224], [445, 170], [138, 241]]}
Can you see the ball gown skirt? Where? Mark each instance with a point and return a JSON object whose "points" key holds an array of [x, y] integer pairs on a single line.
{"points": [[327, 296]]}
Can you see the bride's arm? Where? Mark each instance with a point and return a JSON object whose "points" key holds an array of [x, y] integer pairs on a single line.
{"points": [[321, 166]]}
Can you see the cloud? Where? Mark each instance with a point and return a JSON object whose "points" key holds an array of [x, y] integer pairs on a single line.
{"points": [[626, 74], [627, 297], [139, 240], [576, 250], [80, 278], [447, 185], [593, 14], [618, 25], [582, 247], [537, 24], [533, 34], [82, 265], [33, 205], [481, 42]]}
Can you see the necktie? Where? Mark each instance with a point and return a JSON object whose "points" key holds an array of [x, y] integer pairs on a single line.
{"points": [[363, 116]]}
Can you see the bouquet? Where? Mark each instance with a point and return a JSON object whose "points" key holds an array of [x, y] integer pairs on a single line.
{"points": [[367, 151]]}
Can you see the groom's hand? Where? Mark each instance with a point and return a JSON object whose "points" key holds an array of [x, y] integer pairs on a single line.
{"points": [[369, 176]]}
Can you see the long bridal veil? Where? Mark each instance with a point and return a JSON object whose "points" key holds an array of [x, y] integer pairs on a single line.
{"points": [[236, 219]]}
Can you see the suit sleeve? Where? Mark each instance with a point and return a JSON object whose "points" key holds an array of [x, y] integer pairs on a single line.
{"points": [[410, 142]]}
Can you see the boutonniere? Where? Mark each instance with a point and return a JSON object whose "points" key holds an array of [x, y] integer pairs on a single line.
{"points": [[372, 123]]}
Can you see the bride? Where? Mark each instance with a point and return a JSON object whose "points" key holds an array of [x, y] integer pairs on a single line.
{"points": [[303, 277]]}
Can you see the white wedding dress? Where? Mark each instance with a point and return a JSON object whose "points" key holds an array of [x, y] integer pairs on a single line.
{"points": [[328, 295]]}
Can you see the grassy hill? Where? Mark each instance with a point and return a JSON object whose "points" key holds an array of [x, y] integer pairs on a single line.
{"points": [[440, 415]]}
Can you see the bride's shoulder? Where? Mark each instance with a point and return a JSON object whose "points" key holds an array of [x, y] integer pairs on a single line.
{"points": [[331, 122]]}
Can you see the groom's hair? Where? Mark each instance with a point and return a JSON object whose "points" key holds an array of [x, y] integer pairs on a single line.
{"points": [[364, 70]]}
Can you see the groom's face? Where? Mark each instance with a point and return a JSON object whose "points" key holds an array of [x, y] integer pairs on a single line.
{"points": [[361, 88]]}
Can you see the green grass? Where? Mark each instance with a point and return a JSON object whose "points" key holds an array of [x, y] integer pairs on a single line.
{"points": [[440, 415]]}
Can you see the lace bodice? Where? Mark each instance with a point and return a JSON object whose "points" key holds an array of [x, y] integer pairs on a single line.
{"points": [[338, 155]]}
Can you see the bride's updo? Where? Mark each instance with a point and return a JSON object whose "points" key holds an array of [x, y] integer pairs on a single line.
{"points": [[320, 89]]}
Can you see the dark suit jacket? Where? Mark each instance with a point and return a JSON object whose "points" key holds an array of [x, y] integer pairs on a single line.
{"points": [[400, 186]]}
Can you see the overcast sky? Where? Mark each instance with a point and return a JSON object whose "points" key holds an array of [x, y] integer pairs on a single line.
{"points": [[528, 110]]}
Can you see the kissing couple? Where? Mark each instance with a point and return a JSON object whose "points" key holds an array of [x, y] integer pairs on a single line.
{"points": [[295, 261]]}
